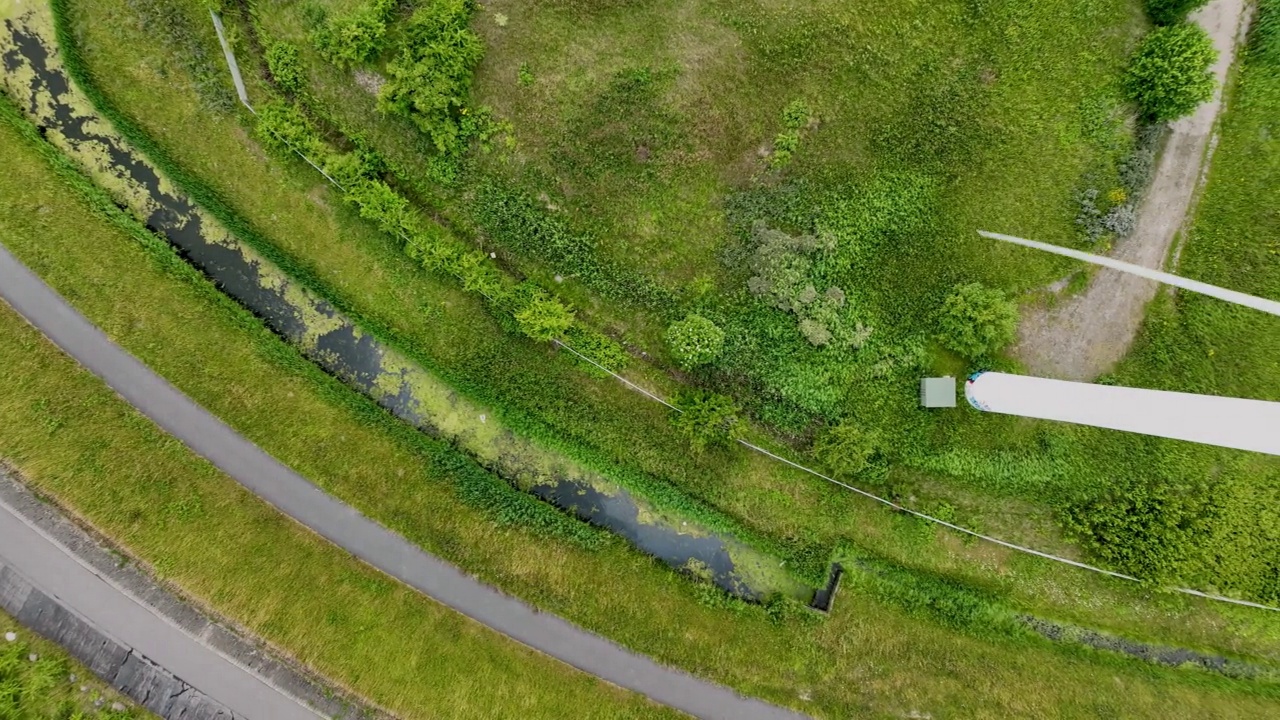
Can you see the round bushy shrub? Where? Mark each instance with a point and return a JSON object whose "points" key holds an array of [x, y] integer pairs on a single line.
{"points": [[1169, 74], [977, 321], [1168, 12], [695, 341]]}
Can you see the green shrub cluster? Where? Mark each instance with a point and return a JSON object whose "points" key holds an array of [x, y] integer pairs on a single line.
{"points": [[430, 79], [284, 129], [694, 341], [1169, 74], [794, 119], [285, 64], [977, 321], [707, 419], [538, 314], [354, 38], [847, 449], [1170, 12]]}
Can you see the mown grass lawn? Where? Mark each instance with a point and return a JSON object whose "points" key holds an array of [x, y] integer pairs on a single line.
{"points": [[79, 444], [299, 213]]}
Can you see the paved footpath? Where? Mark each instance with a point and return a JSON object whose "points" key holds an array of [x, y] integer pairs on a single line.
{"points": [[343, 525], [66, 598]]}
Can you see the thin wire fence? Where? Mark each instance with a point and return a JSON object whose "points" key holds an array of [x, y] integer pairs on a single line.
{"points": [[756, 448]]}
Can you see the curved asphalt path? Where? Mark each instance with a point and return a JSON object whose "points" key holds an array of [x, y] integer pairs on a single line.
{"points": [[343, 525]]}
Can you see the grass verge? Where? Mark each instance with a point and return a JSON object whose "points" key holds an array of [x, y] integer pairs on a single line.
{"points": [[868, 658], [309, 222]]}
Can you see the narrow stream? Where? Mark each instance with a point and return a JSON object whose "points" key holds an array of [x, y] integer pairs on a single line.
{"points": [[36, 79]]}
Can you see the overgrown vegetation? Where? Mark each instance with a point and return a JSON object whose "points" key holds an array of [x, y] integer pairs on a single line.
{"points": [[353, 38], [39, 680], [430, 80], [1169, 75], [880, 220], [1192, 512], [283, 595], [1170, 12]]}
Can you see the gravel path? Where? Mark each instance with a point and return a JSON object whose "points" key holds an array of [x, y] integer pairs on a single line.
{"points": [[345, 527], [1086, 336]]}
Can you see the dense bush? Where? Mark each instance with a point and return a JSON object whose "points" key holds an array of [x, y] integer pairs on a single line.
{"points": [[706, 419], [794, 118], [1150, 528], [846, 449], [283, 128], [1169, 74], [430, 79], [977, 321], [286, 66], [1168, 12], [544, 317], [356, 37], [695, 341]]}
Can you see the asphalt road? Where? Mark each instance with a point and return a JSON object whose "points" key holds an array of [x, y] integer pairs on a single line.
{"points": [[54, 570], [341, 524]]}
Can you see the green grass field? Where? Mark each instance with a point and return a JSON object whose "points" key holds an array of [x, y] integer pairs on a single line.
{"points": [[877, 636], [51, 687], [374, 278]]}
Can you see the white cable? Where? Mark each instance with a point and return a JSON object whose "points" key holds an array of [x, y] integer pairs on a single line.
{"points": [[1237, 298]]}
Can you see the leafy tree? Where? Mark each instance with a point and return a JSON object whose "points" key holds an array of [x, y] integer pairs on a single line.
{"points": [[544, 317], [431, 77], [977, 321], [356, 37], [707, 419], [695, 341], [1169, 74], [846, 448], [1168, 12]]}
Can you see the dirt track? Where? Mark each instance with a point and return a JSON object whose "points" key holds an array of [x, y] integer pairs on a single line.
{"points": [[1086, 336]]}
